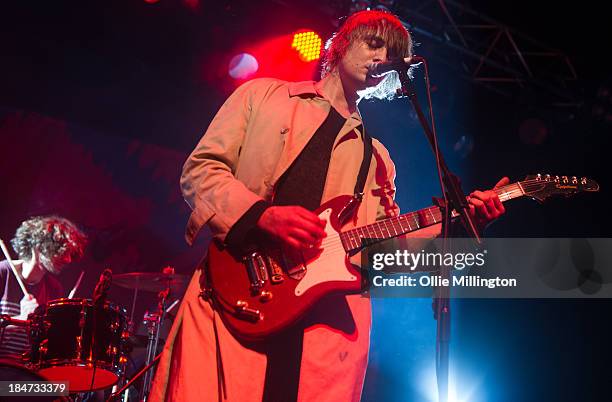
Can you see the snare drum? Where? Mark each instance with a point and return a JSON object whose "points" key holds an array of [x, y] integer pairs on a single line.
{"points": [[72, 340]]}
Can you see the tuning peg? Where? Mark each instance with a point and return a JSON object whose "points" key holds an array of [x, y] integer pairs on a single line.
{"points": [[547, 177], [574, 180], [556, 179], [538, 177], [564, 179], [583, 180]]}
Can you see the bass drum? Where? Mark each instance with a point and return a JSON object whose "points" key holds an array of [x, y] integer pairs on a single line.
{"points": [[13, 372], [73, 340]]}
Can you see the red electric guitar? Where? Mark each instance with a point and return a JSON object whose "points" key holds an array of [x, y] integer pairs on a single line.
{"points": [[267, 291]]}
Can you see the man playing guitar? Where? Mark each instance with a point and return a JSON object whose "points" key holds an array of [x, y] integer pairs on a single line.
{"points": [[272, 155]]}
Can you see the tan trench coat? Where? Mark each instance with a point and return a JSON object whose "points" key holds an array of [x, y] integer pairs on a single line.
{"points": [[252, 140]]}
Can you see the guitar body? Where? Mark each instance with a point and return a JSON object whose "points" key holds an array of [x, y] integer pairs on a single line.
{"points": [[288, 285]]}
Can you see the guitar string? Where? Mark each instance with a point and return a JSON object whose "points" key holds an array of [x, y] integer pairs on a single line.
{"points": [[510, 191], [383, 225]]}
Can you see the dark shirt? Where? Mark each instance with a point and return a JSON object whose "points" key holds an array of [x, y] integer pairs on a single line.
{"points": [[302, 184]]}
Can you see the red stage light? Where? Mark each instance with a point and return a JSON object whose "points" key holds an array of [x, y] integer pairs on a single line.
{"points": [[308, 45]]}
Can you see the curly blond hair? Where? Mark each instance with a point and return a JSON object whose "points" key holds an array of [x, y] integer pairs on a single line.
{"points": [[52, 236]]}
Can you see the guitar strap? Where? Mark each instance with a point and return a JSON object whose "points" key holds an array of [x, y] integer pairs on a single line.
{"points": [[350, 208], [365, 163]]}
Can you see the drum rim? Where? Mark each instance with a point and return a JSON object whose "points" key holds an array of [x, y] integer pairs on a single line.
{"points": [[117, 374], [79, 301], [101, 364]]}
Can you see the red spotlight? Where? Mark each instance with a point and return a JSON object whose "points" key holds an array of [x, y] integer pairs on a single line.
{"points": [[308, 45]]}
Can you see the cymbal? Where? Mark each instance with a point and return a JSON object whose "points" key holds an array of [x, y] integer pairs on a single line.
{"points": [[151, 281]]}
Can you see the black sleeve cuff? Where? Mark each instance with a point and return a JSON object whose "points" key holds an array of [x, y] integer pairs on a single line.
{"points": [[238, 236]]}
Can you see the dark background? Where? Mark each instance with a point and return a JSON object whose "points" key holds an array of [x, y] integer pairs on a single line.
{"points": [[101, 102]]}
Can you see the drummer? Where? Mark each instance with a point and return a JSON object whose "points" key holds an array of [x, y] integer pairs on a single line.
{"points": [[44, 244]]}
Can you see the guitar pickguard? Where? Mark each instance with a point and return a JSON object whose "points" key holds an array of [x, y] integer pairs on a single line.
{"points": [[330, 265]]}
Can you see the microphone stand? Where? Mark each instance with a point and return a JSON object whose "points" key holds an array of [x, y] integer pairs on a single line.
{"points": [[456, 200]]}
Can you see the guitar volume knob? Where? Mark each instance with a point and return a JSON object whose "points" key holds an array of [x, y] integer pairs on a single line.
{"points": [[265, 296], [243, 311]]}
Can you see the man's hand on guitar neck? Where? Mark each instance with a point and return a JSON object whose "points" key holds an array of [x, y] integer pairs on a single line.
{"points": [[485, 206], [294, 226]]}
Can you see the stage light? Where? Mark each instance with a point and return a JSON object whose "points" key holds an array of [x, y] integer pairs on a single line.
{"points": [[470, 386], [242, 66], [308, 45]]}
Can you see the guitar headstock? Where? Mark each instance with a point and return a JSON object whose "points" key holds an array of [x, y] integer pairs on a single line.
{"points": [[540, 187]]}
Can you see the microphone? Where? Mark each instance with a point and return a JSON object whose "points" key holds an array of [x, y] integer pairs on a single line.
{"points": [[102, 286], [376, 70]]}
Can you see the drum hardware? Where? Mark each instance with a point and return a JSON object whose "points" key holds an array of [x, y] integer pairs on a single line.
{"points": [[6, 320], [43, 348], [154, 324], [165, 283], [79, 339], [99, 299], [128, 384], [152, 281], [88, 343]]}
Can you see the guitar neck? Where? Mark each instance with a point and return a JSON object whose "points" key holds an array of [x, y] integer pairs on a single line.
{"points": [[357, 238]]}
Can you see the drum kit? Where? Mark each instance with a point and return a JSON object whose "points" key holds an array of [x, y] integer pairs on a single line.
{"points": [[88, 342]]}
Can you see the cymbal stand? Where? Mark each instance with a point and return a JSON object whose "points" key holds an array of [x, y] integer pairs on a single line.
{"points": [[130, 329], [131, 322], [144, 370], [153, 322]]}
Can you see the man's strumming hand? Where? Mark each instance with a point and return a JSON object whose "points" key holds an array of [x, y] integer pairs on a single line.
{"points": [[294, 226]]}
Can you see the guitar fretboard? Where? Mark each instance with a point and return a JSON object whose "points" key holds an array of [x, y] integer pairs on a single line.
{"points": [[357, 238]]}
